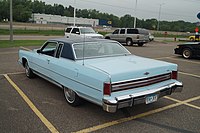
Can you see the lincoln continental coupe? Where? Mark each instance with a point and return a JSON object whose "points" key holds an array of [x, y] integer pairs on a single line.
{"points": [[101, 71]]}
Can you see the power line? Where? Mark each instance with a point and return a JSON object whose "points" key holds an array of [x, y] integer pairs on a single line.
{"points": [[131, 9]]}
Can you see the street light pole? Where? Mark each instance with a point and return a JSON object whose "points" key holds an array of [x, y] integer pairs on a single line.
{"points": [[11, 22], [74, 13], [135, 14], [158, 26]]}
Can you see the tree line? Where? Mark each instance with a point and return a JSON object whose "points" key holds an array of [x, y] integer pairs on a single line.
{"points": [[23, 9]]}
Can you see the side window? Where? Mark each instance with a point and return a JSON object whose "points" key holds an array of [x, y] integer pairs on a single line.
{"points": [[59, 49], [68, 30], [49, 48], [122, 31], [76, 31], [116, 31], [67, 52], [132, 31]]}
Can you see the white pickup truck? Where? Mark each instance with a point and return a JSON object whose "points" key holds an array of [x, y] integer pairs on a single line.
{"points": [[87, 32]]}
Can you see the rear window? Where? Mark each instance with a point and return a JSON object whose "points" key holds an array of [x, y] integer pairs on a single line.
{"points": [[122, 31], [145, 32], [68, 30], [132, 31]]}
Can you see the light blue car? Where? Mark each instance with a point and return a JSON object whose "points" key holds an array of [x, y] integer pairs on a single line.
{"points": [[101, 71]]}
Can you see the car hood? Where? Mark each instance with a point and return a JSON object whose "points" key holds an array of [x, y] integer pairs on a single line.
{"points": [[93, 35], [130, 67]]}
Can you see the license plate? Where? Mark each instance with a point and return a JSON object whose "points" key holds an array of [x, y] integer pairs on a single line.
{"points": [[151, 98]]}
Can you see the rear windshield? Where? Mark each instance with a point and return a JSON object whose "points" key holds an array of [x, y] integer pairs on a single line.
{"points": [[142, 31], [99, 49], [86, 30]]}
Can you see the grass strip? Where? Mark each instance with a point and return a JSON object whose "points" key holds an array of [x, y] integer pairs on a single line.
{"points": [[17, 43], [32, 32]]}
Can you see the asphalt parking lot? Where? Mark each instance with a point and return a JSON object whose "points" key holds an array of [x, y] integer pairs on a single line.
{"points": [[35, 105]]}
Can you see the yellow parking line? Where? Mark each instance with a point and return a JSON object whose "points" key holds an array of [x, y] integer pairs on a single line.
{"points": [[178, 101], [14, 73], [112, 123], [8, 53], [193, 75], [25, 48], [164, 57], [32, 106], [184, 60]]}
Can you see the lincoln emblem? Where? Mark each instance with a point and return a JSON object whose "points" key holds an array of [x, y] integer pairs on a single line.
{"points": [[146, 73]]}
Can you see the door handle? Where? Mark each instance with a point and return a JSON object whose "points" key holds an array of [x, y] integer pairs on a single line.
{"points": [[48, 61]]}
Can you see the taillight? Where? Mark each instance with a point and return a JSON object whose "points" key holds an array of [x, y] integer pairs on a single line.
{"points": [[107, 89], [174, 75]]}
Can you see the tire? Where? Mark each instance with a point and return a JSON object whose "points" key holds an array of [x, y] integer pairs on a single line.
{"points": [[71, 97], [187, 53], [28, 71], [107, 37], [129, 42], [140, 44], [192, 39]]}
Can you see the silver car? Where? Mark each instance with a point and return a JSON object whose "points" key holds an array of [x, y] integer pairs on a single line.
{"points": [[130, 36]]}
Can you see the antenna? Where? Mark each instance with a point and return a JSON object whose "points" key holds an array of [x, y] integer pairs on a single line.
{"points": [[83, 49]]}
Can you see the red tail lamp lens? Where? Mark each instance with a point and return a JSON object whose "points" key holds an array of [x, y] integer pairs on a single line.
{"points": [[107, 89], [174, 75]]}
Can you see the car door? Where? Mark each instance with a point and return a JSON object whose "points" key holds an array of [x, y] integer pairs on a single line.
{"points": [[196, 48], [121, 36], [114, 35], [75, 32], [43, 58]]}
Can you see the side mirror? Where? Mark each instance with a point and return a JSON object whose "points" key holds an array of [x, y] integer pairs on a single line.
{"points": [[38, 51], [77, 32]]}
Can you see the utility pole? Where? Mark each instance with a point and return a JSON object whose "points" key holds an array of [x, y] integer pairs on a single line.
{"points": [[11, 22], [135, 14], [74, 13], [158, 26]]}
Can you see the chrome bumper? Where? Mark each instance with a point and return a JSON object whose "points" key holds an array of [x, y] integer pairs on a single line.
{"points": [[112, 105]]}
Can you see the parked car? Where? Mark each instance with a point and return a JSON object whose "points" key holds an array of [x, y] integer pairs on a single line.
{"points": [[82, 32], [130, 36], [194, 38], [151, 37], [188, 50], [101, 71]]}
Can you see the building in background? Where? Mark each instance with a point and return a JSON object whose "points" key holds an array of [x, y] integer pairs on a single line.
{"points": [[57, 19]]}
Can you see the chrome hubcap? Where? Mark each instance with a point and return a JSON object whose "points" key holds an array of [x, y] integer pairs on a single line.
{"points": [[27, 69], [69, 94], [128, 43], [186, 53]]}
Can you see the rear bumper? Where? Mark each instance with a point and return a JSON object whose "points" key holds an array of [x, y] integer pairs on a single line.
{"points": [[112, 105]]}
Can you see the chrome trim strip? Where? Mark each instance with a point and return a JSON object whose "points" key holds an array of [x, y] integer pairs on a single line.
{"points": [[142, 81]]}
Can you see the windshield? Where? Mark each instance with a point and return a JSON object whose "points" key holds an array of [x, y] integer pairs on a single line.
{"points": [[99, 49], [86, 30]]}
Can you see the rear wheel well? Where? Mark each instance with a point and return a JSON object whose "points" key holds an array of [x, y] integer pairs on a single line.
{"points": [[107, 37], [24, 60]]}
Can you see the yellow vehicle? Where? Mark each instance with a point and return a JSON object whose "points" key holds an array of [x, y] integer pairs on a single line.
{"points": [[192, 38]]}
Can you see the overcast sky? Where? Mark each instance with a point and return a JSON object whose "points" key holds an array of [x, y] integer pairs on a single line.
{"points": [[171, 10]]}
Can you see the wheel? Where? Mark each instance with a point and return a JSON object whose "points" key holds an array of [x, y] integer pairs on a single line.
{"points": [[192, 39], [72, 98], [140, 44], [187, 53], [28, 71], [129, 42], [107, 37]]}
